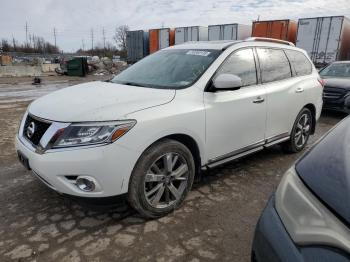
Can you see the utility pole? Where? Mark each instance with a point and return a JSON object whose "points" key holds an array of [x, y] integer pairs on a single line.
{"points": [[14, 42], [104, 38], [83, 44], [26, 33], [54, 35], [92, 40]]}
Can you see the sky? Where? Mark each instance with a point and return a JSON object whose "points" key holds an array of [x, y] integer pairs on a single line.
{"points": [[74, 20]]}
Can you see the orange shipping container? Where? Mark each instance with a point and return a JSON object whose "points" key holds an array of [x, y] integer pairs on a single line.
{"points": [[278, 29], [160, 38], [5, 60]]}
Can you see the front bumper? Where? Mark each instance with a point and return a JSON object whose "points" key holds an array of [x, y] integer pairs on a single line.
{"points": [[272, 243], [110, 165], [335, 105]]}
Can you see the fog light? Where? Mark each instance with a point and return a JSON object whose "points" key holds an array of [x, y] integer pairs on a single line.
{"points": [[86, 184]]}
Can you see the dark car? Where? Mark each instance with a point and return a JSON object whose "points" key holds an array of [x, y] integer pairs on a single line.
{"points": [[336, 86], [308, 218]]}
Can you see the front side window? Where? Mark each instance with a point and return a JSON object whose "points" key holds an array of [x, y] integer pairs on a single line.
{"points": [[301, 64], [168, 69], [341, 70], [242, 64], [274, 65]]}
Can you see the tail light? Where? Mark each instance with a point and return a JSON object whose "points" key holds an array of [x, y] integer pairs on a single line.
{"points": [[321, 81]]}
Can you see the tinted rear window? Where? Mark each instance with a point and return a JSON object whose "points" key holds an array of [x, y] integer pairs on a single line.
{"points": [[274, 65], [300, 63]]}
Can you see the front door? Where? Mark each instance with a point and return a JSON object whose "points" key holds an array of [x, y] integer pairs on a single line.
{"points": [[236, 120]]}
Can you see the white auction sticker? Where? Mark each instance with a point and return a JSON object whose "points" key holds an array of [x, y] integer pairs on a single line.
{"points": [[198, 52]]}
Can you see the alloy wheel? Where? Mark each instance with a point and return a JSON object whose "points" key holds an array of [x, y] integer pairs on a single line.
{"points": [[302, 131], [166, 180]]}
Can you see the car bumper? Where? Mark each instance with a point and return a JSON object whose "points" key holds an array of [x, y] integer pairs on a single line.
{"points": [[272, 243], [110, 166], [335, 105]]}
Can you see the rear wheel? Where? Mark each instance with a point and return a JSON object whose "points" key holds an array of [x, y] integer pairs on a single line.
{"points": [[161, 178], [300, 132]]}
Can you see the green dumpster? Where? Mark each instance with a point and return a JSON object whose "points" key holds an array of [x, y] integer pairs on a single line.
{"points": [[77, 66]]}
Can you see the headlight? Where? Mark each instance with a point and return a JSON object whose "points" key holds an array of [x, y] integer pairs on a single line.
{"points": [[82, 134], [306, 219]]}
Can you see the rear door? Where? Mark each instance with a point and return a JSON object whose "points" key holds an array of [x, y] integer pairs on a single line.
{"points": [[284, 99], [214, 32], [230, 32], [306, 38], [194, 33], [179, 35], [235, 120], [334, 39], [260, 29], [279, 30], [163, 38], [324, 31]]}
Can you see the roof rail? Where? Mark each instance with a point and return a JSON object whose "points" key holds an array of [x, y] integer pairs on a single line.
{"points": [[272, 40]]}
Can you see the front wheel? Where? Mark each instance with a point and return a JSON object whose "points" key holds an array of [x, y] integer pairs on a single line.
{"points": [[300, 133], [161, 178]]}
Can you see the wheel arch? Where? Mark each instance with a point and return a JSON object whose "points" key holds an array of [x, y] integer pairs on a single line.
{"points": [[187, 141], [192, 145], [312, 108]]}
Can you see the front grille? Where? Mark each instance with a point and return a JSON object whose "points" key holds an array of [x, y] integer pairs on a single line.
{"points": [[39, 130], [333, 93]]}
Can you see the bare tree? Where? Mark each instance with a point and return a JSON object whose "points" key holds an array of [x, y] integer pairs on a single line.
{"points": [[120, 36]]}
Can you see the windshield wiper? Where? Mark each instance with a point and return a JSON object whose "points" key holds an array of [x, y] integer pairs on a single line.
{"points": [[132, 84]]}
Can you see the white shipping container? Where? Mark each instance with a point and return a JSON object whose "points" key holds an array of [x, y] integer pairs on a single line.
{"points": [[325, 39], [191, 33], [229, 32], [164, 38]]}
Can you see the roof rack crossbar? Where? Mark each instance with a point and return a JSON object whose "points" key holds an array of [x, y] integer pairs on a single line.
{"points": [[272, 40]]}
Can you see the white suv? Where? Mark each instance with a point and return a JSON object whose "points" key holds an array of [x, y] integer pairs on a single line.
{"points": [[149, 131]]}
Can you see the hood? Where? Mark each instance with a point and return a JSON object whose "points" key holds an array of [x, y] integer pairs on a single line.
{"points": [[338, 82], [97, 101], [326, 170]]}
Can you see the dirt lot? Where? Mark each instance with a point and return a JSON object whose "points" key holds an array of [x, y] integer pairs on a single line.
{"points": [[216, 222]]}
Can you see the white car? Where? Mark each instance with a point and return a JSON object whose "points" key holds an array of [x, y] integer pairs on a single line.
{"points": [[155, 126]]}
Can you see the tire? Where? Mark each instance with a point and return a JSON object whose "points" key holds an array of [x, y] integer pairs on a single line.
{"points": [[300, 133], [161, 179]]}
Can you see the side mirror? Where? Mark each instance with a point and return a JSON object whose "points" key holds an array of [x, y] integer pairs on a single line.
{"points": [[347, 103], [227, 81]]}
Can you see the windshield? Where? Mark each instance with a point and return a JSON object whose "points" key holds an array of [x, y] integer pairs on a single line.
{"points": [[168, 69], [336, 70]]}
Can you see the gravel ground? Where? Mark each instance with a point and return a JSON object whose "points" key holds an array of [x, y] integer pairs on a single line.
{"points": [[216, 222]]}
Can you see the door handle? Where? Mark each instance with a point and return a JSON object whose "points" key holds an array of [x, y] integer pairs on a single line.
{"points": [[299, 90], [258, 100]]}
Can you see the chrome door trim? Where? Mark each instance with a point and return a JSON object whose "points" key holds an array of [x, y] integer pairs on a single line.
{"points": [[239, 155], [277, 137], [260, 145], [237, 152]]}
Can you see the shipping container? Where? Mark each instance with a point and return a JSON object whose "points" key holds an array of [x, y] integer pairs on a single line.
{"points": [[5, 60], [160, 38], [191, 33], [229, 32], [137, 45], [278, 29], [325, 39]]}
